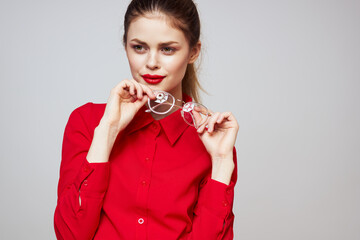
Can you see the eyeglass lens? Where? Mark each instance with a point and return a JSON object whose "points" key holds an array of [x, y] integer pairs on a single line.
{"points": [[194, 114], [162, 104]]}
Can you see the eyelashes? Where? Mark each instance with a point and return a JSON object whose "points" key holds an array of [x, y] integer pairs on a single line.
{"points": [[165, 50], [138, 48], [168, 50]]}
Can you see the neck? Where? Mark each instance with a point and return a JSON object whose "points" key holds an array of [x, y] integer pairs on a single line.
{"points": [[161, 116], [177, 92]]}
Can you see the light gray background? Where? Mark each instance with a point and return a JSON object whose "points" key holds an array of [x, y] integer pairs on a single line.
{"points": [[288, 70]]}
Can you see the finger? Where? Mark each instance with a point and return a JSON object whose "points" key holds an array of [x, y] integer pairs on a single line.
{"points": [[212, 121], [203, 126], [148, 91], [138, 88], [141, 102], [120, 86], [197, 118], [209, 113], [223, 116], [129, 86], [122, 89], [231, 117], [233, 121], [201, 109]]}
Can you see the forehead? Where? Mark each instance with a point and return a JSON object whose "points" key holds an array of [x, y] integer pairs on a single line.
{"points": [[155, 28]]}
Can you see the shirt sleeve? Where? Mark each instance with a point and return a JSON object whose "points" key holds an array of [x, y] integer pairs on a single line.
{"points": [[79, 179], [213, 214]]}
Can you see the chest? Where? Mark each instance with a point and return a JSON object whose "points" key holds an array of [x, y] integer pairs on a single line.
{"points": [[147, 167]]}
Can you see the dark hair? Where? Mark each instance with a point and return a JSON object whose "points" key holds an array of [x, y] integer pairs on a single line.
{"points": [[184, 16]]}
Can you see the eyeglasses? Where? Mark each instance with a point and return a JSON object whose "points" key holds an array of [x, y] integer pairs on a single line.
{"points": [[194, 114]]}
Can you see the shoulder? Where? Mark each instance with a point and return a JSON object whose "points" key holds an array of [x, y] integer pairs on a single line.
{"points": [[88, 114], [90, 107], [90, 110]]}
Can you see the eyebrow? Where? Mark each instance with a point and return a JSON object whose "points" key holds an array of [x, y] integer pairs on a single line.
{"points": [[161, 44]]}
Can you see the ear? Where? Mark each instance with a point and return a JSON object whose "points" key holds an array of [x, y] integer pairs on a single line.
{"points": [[194, 52]]}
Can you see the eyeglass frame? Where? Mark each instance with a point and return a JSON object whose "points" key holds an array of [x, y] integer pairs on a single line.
{"points": [[186, 106]]}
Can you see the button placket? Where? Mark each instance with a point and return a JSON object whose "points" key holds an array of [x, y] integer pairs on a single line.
{"points": [[141, 221], [155, 128], [144, 180], [86, 169], [147, 160]]}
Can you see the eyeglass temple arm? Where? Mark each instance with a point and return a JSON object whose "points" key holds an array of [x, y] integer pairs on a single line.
{"points": [[154, 107], [148, 110]]}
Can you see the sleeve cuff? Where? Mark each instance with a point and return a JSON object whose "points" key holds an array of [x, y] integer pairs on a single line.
{"points": [[93, 177], [219, 197]]}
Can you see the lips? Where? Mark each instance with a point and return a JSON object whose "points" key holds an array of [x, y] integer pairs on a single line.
{"points": [[153, 79]]}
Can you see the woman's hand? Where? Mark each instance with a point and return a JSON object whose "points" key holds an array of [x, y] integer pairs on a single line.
{"points": [[124, 101], [219, 134]]}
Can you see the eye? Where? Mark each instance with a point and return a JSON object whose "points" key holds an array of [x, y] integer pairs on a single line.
{"points": [[138, 48], [168, 50]]}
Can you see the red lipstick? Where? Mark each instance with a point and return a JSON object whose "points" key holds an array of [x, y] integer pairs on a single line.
{"points": [[153, 79]]}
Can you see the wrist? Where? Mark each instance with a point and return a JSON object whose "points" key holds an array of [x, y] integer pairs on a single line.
{"points": [[106, 130], [224, 156], [109, 127], [102, 144], [222, 170]]}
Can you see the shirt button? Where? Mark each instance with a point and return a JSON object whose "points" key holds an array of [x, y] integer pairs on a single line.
{"points": [[143, 182], [86, 169], [85, 182], [155, 126], [228, 191], [225, 203], [140, 220], [147, 159]]}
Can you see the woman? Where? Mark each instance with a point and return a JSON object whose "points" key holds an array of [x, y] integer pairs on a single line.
{"points": [[141, 168]]}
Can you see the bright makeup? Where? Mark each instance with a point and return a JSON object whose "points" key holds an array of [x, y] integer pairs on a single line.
{"points": [[153, 79]]}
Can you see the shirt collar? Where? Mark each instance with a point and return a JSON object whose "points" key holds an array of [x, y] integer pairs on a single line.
{"points": [[173, 125]]}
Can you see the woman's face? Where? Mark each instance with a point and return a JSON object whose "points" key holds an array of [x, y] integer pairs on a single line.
{"points": [[158, 53]]}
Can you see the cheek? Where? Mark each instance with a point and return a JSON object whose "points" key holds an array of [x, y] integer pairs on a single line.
{"points": [[176, 65], [135, 61]]}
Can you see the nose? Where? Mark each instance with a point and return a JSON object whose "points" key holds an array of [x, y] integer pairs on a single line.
{"points": [[152, 61]]}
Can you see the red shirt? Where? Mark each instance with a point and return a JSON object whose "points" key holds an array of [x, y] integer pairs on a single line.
{"points": [[156, 185]]}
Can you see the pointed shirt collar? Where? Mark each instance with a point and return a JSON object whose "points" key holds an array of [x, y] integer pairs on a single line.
{"points": [[173, 125]]}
